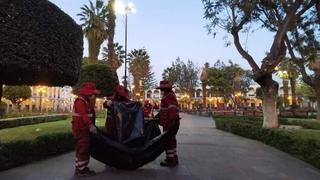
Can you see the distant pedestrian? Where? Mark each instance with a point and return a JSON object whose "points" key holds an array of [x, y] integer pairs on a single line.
{"points": [[83, 122], [147, 109]]}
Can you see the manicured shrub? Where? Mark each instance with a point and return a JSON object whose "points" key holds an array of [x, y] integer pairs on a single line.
{"points": [[14, 122], [17, 153], [104, 78], [301, 144], [2, 108]]}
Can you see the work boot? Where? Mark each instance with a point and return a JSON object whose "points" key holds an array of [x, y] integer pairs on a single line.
{"points": [[169, 162], [86, 172]]}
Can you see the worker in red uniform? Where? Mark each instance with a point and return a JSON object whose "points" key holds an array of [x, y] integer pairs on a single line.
{"points": [[168, 116], [120, 94], [83, 120], [147, 109]]}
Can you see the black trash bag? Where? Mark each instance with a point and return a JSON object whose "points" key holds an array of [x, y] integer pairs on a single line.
{"points": [[131, 149], [128, 117]]}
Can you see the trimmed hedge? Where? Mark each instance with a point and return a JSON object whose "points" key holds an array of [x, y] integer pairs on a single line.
{"points": [[305, 123], [294, 142], [17, 153], [14, 122]]}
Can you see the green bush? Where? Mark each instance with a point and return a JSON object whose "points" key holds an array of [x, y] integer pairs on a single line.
{"points": [[305, 123], [303, 144], [104, 78], [17, 153], [14, 122], [2, 109]]}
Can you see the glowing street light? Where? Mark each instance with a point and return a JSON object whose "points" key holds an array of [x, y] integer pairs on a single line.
{"points": [[41, 90]]}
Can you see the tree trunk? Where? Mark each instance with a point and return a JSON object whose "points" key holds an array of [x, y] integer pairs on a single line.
{"points": [[269, 93], [285, 92], [94, 49], [91, 57], [136, 94], [204, 94], [111, 27], [293, 92]]}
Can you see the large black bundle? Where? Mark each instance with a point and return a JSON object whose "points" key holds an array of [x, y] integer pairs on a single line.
{"points": [[130, 157], [135, 143], [39, 43]]}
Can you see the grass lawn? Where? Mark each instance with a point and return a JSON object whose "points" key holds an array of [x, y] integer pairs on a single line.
{"points": [[30, 132]]}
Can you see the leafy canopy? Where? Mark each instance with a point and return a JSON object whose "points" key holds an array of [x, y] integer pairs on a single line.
{"points": [[184, 75], [16, 94], [104, 78]]}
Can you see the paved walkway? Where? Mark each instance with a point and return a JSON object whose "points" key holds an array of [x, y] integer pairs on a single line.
{"points": [[205, 153]]}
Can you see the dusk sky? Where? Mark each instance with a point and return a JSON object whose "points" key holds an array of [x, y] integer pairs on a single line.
{"points": [[168, 29]]}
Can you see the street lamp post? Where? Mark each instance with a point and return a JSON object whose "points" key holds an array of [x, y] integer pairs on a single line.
{"points": [[41, 90], [125, 48], [124, 9]]}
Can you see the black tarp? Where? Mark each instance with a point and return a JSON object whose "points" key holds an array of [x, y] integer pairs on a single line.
{"points": [[138, 142]]}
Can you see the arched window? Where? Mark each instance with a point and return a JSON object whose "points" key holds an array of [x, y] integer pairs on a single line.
{"points": [[199, 93], [156, 94], [149, 94]]}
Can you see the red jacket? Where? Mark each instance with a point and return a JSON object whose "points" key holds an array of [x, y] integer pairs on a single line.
{"points": [[169, 112], [83, 116]]}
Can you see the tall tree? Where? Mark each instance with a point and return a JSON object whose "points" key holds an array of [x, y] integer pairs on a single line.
{"points": [[94, 19], [184, 75], [16, 94], [139, 67], [204, 79], [149, 81], [52, 45], [111, 16], [228, 81], [118, 56], [303, 43], [306, 92], [238, 16]]}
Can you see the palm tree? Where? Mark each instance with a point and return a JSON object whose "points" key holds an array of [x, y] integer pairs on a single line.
{"points": [[139, 66], [110, 31], [284, 76], [118, 56], [94, 27], [204, 80]]}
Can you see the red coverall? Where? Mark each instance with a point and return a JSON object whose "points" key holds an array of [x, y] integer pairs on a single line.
{"points": [[169, 114], [82, 119]]}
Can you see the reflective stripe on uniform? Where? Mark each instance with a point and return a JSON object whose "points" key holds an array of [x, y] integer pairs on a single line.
{"points": [[78, 115], [172, 106], [81, 163], [170, 151]]}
